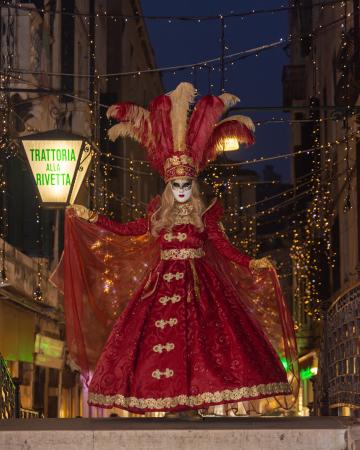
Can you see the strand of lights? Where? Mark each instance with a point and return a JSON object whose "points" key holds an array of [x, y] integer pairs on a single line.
{"points": [[3, 145], [347, 110], [234, 211], [7, 58], [313, 249], [182, 18], [134, 179], [38, 293], [308, 249], [104, 190], [234, 164], [203, 63], [230, 59], [284, 155], [345, 87], [237, 222], [3, 222]]}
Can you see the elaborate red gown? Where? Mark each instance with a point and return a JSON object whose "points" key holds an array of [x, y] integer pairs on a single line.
{"points": [[200, 330]]}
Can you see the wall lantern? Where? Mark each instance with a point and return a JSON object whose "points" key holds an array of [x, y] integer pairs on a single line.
{"points": [[58, 161]]}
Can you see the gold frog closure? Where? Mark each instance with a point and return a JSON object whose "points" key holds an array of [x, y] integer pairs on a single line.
{"points": [[158, 374], [171, 237], [168, 347], [166, 299], [170, 276], [162, 323]]}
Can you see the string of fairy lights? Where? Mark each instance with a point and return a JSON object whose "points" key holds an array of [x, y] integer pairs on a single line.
{"points": [[6, 63], [309, 204], [233, 14], [311, 252], [220, 62]]}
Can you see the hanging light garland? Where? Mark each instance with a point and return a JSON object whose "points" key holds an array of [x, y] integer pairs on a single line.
{"points": [[170, 18]]}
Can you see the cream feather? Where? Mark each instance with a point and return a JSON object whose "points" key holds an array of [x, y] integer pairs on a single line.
{"points": [[181, 98], [127, 129], [135, 113], [122, 129], [245, 120], [111, 111], [229, 100]]}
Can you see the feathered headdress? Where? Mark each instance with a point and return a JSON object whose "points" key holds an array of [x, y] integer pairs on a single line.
{"points": [[179, 145]]}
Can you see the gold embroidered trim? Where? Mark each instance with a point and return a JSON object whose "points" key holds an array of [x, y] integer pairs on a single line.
{"points": [[171, 237], [228, 395], [147, 285], [158, 348], [178, 160], [184, 209], [262, 263], [170, 276], [195, 280], [162, 323], [174, 299], [158, 374], [184, 220], [182, 253]]}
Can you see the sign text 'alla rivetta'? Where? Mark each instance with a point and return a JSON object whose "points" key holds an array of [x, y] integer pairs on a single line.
{"points": [[53, 157]]}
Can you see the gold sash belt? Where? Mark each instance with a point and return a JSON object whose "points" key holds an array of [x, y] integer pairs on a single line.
{"points": [[182, 253]]}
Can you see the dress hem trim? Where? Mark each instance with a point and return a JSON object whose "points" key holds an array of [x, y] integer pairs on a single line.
{"points": [[189, 401]]}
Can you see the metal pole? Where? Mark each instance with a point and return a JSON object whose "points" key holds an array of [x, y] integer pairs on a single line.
{"points": [[222, 55]]}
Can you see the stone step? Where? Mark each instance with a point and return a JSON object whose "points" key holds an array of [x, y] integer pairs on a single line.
{"points": [[238, 433]]}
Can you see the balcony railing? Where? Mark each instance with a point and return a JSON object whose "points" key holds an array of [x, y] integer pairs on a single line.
{"points": [[7, 392], [29, 414], [343, 349]]}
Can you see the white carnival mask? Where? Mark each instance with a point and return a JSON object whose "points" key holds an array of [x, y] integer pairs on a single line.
{"points": [[181, 189]]}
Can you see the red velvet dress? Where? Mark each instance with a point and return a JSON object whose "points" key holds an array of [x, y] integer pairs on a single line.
{"points": [[185, 340]]}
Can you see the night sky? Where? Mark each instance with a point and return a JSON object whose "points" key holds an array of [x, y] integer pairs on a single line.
{"points": [[256, 80]]}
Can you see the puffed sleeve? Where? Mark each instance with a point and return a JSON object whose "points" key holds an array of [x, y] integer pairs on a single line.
{"points": [[133, 228], [218, 238]]}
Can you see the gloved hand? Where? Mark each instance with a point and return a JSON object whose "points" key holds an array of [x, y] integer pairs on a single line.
{"points": [[262, 263], [84, 213]]}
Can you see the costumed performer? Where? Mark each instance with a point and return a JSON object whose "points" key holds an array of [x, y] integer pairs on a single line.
{"points": [[164, 310]]}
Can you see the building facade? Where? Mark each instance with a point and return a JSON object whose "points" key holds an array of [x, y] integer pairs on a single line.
{"points": [[321, 92], [55, 55]]}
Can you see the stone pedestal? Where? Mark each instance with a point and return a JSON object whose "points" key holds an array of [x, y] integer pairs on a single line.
{"points": [[323, 433]]}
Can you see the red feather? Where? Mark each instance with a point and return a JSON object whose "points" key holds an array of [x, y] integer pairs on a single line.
{"points": [[135, 123], [120, 111], [160, 110], [206, 113]]}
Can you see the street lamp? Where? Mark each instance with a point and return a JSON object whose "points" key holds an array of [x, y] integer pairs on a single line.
{"points": [[58, 161]]}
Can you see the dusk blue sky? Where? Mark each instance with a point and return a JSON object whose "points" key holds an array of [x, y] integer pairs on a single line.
{"points": [[256, 80]]}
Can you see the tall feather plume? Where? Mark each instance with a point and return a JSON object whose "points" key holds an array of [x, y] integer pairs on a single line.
{"points": [[181, 98]]}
